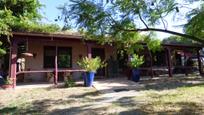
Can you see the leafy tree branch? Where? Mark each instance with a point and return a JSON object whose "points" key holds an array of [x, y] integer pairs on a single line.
{"points": [[115, 19]]}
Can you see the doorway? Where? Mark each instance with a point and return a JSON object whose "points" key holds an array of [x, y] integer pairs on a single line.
{"points": [[99, 52]]}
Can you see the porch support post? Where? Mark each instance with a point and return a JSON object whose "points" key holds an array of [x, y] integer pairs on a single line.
{"points": [[169, 63], [89, 50], [184, 65], [13, 61], [199, 61], [56, 66], [151, 64]]}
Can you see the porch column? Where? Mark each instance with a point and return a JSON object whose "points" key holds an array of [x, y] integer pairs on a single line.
{"points": [[12, 62], [169, 63], [89, 50], [183, 63], [199, 61], [56, 66], [151, 64]]}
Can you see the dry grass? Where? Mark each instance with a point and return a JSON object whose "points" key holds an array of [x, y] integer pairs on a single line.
{"points": [[167, 96], [41, 101], [184, 100]]}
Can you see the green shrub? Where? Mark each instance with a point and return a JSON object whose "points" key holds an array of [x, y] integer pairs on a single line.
{"points": [[8, 81], [69, 83], [136, 61], [91, 64]]}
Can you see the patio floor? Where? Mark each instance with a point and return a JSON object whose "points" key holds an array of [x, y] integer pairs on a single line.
{"points": [[116, 85], [34, 85], [116, 88], [40, 85]]}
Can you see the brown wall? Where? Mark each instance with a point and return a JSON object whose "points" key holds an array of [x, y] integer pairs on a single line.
{"points": [[78, 48]]}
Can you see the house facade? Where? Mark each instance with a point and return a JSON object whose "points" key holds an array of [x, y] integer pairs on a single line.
{"points": [[34, 57]]}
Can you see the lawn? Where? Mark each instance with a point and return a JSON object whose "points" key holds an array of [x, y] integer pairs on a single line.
{"points": [[183, 95]]}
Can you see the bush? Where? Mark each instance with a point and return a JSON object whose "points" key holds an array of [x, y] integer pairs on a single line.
{"points": [[136, 61], [69, 83], [91, 64], [8, 81]]}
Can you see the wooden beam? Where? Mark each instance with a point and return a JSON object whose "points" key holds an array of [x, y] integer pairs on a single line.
{"points": [[56, 66], [199, 61], [169, 63], [51, 70], [13, 61], [184, 65], [151, 63]]}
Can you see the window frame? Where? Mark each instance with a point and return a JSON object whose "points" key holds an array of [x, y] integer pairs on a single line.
{"points": [[54, 48], [70, 49]]}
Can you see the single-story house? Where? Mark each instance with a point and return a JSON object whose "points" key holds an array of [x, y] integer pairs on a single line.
{"points": [[33, 55]]}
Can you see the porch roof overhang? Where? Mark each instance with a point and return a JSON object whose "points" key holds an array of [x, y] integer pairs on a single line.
{"points": [[56, 35], [182, 46], [78, 37], [46, 36], [177, 46], [20, 36]]}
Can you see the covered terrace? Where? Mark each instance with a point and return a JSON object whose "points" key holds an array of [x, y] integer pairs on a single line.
{"points": [[171, 59], [34, 54]]}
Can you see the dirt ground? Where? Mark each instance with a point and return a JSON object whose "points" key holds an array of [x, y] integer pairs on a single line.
{"points": [[181, 95]]}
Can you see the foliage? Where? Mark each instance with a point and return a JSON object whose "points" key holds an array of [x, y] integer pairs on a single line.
{"points": [[195, 26], [8, 81], [177, 40], [119, 20], [6, 19], [91, 64], [24, 8], [69, 83], [22, 15], [2, 50], [136, 61], [64, 61], [29, 26], [153, 43], [131, 45]]}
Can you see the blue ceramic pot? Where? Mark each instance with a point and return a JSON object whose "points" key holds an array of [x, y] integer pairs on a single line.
{"points": [[135, 75], [89, 78]]}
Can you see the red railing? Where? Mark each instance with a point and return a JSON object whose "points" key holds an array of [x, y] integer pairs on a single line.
{"points": [[51, 70]]}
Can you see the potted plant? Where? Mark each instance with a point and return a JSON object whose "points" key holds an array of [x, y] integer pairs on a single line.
{"points": [[91, 65], [135, 62], [7, 84]]}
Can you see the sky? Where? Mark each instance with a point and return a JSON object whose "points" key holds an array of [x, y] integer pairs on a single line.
{"points": [[50, 12]]}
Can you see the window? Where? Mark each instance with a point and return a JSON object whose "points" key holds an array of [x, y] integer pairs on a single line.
{"points": [[64, 57], [21, 48], [49, 57]]}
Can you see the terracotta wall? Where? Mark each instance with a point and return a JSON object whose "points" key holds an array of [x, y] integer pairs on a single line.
{"points": [[78, 48]]}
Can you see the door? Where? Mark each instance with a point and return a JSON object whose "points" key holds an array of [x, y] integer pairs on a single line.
{"points": [[100, 52]]}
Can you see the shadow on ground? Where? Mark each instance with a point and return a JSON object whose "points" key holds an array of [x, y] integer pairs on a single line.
{"points": [[172, 83], [85, 104], [131, 106], [162, 83]]}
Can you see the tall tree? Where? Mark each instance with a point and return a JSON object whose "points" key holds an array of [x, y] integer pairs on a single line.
{"points": [[122, 19], [22, 15], [195, 25]]}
